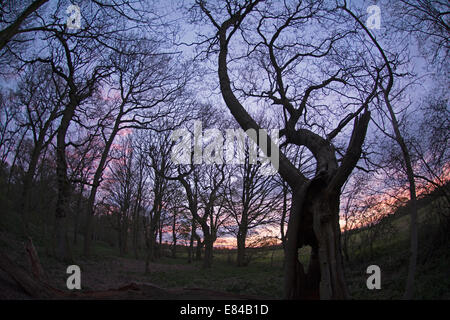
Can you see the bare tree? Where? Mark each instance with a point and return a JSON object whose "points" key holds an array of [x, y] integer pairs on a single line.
{"points": [[157, 147], [121, 191], [314, 216], [149, 85], [79, 58], [14, 27], [431, 151], [37, 94], [176, 209], [250, 200], [354, 209], [9, 133], [428, 21], [398, 137]]}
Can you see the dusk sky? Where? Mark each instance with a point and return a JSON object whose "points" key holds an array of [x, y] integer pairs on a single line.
{"points": [[133, 149]]}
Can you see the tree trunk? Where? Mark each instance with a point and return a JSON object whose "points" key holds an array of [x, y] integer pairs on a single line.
{"points": [[345, 247], [122, 233], [326, 228], [191, 245], [346, 236], [135, 241], [147, 245], [95, 184], [409, 290], [120, 241], [241, 247], [61, 248], [151, 247], [89, 217], [207, 261], [198, 248], [135, 234], [315, 222], [153, 237], [283, 216], [77, 215], [174, 236], [61, 241], [27, 182], [160, 248], [125, 236]]}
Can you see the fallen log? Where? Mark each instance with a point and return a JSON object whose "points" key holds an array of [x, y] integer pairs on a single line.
{"points": [[34, 288], [35, 264]]}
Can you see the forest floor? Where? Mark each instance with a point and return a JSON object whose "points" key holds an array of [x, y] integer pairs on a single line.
{"points": [[175, 278], [169, 278]]}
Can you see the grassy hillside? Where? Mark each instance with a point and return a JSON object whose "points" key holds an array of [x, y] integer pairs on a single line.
{"points": [[390, 252]]}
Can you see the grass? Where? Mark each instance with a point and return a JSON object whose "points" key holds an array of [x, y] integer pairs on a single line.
{"points": [[256, 279], [263, 277], [391, 254]]}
